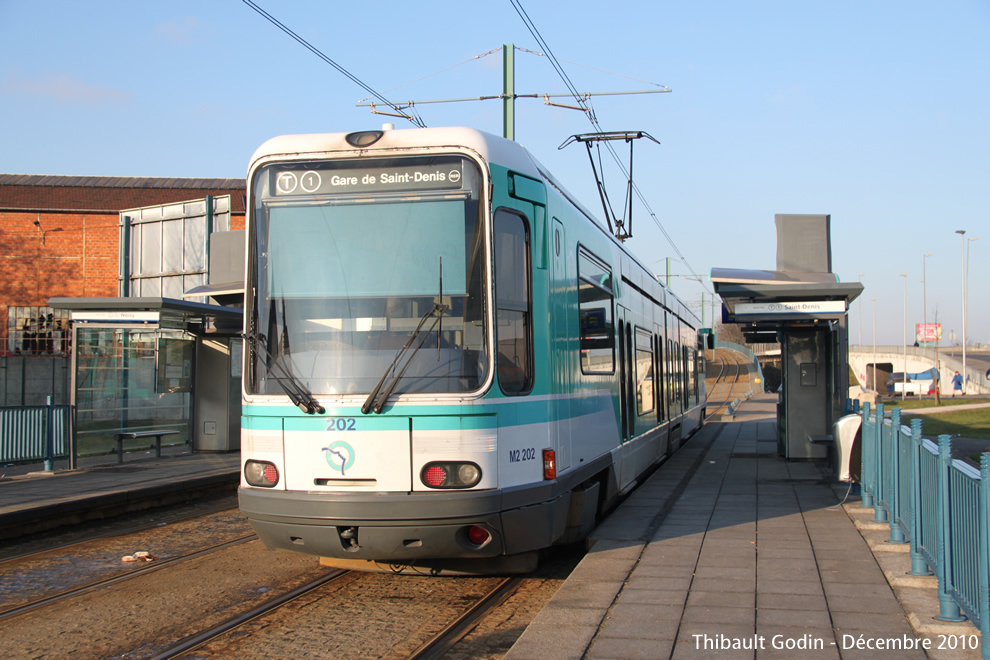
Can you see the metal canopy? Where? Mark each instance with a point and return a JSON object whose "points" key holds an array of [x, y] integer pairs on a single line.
{"points": [[227, 293], [772, 298], [212, 318]]}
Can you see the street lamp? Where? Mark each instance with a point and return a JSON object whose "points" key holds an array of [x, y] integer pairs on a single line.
{"points": [[861, 275], [965, 305], [924, 292], [875, 345], [962, 235], [904, 374]]}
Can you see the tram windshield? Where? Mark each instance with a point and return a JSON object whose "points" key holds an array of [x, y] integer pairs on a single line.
{"points": [[347, 259]]}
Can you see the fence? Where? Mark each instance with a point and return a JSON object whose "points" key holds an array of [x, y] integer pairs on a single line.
{"points": [[30, 380], [35, 433], [940, 505]]}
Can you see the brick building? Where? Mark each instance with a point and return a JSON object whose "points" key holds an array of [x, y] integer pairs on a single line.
{"points": [[60, 236]]}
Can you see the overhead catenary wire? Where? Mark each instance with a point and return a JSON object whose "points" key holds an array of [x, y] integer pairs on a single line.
{"points": [[581, 101], [435, 73], [593, 68], [415, 119]]}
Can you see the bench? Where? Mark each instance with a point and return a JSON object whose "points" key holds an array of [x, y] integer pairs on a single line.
{"points": [[825, 439], [119, 438]]}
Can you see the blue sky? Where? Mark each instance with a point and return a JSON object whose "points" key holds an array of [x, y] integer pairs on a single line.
{"points": [[875, 112]]}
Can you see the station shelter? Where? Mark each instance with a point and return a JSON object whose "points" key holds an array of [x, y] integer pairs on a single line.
{"points": [[153, 365], [162, 360], [803, 306]]}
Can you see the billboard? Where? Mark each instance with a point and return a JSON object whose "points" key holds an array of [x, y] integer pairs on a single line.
{"points": [[928, 332]]}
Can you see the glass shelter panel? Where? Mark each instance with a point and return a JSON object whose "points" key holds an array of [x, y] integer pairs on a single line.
{"points": [[132, 379], [169, 245]]}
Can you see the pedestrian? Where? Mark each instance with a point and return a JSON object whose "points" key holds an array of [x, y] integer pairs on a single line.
{"points": [[957, 385]]}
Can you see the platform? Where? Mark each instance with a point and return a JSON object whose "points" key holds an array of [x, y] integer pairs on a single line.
{"points": [[33, 500], [730, 551]]}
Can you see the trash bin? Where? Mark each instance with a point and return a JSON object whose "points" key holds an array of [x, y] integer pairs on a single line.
{"points": [[847, 445]]}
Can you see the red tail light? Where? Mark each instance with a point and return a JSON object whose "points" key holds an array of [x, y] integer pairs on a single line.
{"points": [[450, 474], [434, 476], [478, 535], [549, 464], [261, 473]]}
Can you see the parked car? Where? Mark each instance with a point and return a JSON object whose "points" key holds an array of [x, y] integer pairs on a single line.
{"points": [[899, 381]]}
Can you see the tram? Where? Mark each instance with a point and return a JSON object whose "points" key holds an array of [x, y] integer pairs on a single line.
{"points": [[449, 365]]}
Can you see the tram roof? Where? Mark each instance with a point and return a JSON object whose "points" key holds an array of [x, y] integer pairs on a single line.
{"points": [[491, 147]]}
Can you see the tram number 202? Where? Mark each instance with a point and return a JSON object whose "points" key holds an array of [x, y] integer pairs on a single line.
{"points": [[341, 424], [518, 455]]}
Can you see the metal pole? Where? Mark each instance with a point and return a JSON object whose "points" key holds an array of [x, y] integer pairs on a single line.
{"points": [[509, 91], [904, 376], [966, 305], [962, 235], [875, 388], [924, 290], [49, 436], [861, 312]]}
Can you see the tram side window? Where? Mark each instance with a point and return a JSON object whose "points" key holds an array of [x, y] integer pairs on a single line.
{"points": [[512, 303], [595, 296], [692, 361], [644, 373], [685, 376], [671, 384]]}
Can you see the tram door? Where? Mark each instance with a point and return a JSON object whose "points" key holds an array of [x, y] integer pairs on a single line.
{"points": [[627, 393], [561, 322]]}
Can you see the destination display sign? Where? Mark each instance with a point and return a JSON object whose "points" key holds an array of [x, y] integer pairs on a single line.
{"points": [[426, 176], [809, 307]]}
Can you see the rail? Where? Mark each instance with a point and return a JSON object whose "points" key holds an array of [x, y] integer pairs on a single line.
{"points": [[940, 505], [35, 433], [757, 370]]}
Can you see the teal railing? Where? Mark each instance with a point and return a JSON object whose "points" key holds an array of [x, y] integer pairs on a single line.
{"points": [[34, 433], [940, 505]]}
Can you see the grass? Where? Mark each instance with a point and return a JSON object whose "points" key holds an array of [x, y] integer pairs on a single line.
{"points": [[964, 423], [912, 402]]}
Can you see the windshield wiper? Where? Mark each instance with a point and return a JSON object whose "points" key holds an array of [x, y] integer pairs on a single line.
{"points": [[378, 404], [298, 394]]}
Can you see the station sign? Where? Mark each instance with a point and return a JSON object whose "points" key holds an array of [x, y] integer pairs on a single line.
{"points": [[431, 175], [117, 316], [790, 307]]}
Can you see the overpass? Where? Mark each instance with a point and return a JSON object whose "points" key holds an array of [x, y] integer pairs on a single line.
{"points": [[911, 359]]}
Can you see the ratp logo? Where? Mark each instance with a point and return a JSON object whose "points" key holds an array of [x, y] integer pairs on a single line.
{"points": [[340, 456]]}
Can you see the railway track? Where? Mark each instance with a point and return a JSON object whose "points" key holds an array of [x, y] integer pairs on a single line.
{"points": [[458, 629], [731, 373], [195, 641], [434, 648], [116, 533], [156, 565]]}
